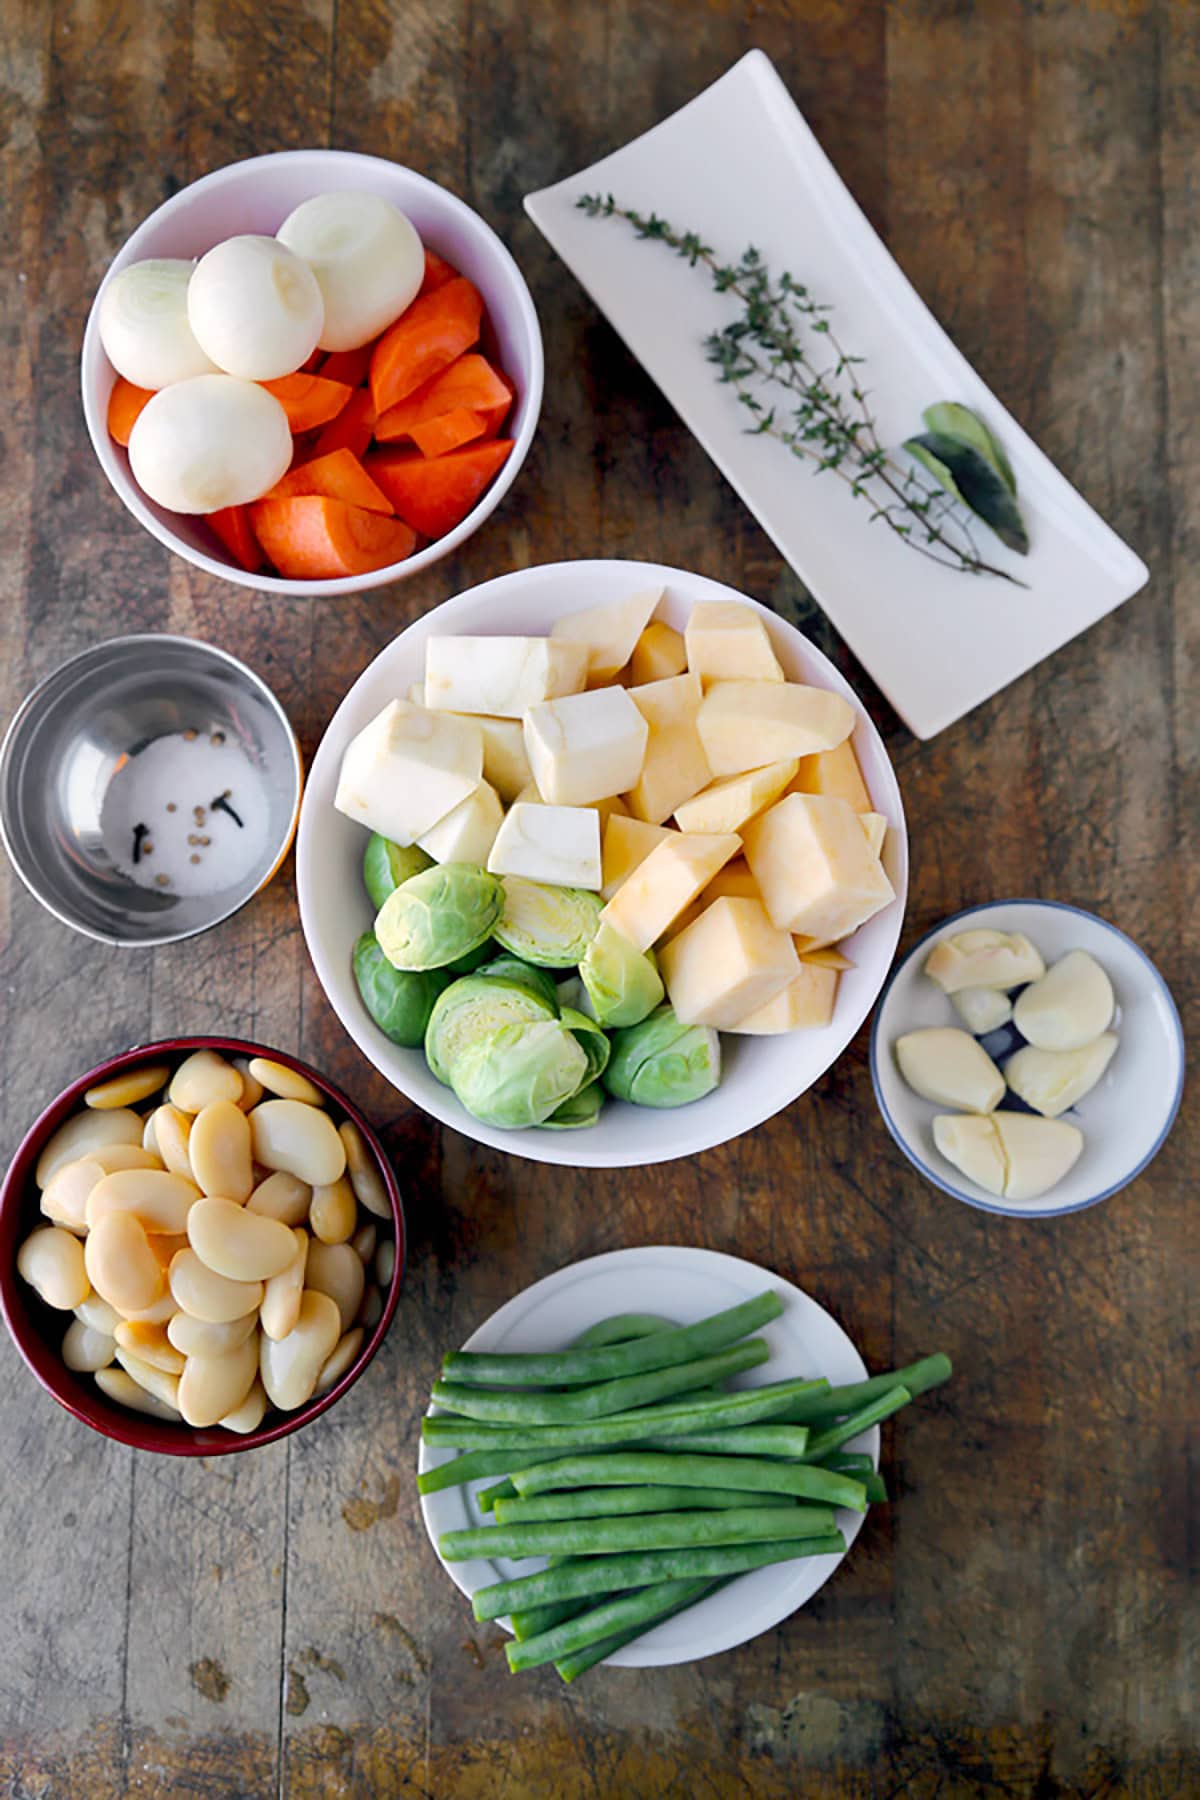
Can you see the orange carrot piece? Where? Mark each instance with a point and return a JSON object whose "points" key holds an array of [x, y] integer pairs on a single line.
{"points": [[437, 273], [349, 366], [232, 525], [435, 329], [353, 427], [469, 381], [435, 494], [310, 537], [438, 436], [308, 400], [124, 404], [339, 476]]}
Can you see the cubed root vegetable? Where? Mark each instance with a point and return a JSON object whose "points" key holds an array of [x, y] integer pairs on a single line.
{"points": [[339, 476], [470, 382], [439, 436], [437, 272], [308, 400], [232, 525], [350, 366], [437, 327], [434, 495], [313, 538], [352, 429], [124, 404]]}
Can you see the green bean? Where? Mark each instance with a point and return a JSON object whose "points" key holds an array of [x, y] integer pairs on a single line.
{"points": [[597, 1537], [487, 1497], [628, 1468], [584, 1575], [536, 1619], [667, 1349], [691, 1413], [473, 1466], [746, 1440], [918, 1378], [858, 1464], [823, 1442], [571, 1666], [611, 1502], [604, 1397], [642, 1609], [622, 1328]]}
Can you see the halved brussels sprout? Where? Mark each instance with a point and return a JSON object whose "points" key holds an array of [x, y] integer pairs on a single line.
{"points": [[581, 1110], [595, 1042], [474, 959], [552, 926], [517, 1076], [386, 866], [662, 1062], [538, 982], [399, 1000], [474, 1007], [438, 916], [622, 982]]}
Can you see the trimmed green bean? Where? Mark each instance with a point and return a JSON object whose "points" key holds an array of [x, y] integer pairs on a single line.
{"points": [[583, 1575], [745, 1440], [572, 1666], [487, 1497], [599, 1537], [537, 1619], [605, 1397], [858, 1464], [641, 1609], [824, 1442], [629, 1468], [917, 1378], [622, 1328], [641, 1355], [615, 1502], [473, 1466]]}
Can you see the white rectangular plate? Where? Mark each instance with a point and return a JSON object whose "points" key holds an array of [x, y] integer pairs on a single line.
{"points": [[740, 166]]}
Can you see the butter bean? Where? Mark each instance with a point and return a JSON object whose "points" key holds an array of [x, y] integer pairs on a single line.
{"points": [[289, 1366], [81, 1134], [281, 1196], [65, 1198], [166, 1244], [238, 1244], [371, 1310], [85, 1350], [149, 1141], [162, 1311], [344, 1354], [51, 1260], [334, 1269], [301, 1139], [208, 1296], [196, 1337], [365, 1179], [114, 1157], [202, 1078], [249, 1415], [385, 1263], [128, 1088], [212, 1386], [120, 1264], [98, 1315], [163, 1386], [334, 1212], [122, 1388], [289, 1084], [172, 1129], [364, 1240], [159, 1201], [281, 1301], [252, 1090], [219, 1151], [151, 1344]]}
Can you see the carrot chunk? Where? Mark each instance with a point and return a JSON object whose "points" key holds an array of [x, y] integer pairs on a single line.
{"points": [[349, 366], [434, 495], [434, 330], [310, 537], [469, 381], [308, 400], [437, 436], [437, 273], [353, 427], [124, 404], [339, 476], [232, 525]]}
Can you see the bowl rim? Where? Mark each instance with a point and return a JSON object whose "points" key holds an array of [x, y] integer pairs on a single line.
{"points": [[130, 495], [940, 1181], [550, 1145], [142, 1432], [25, 711]]}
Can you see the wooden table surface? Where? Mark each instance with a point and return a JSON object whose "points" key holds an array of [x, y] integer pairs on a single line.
{"points": [[1018, 1624]]}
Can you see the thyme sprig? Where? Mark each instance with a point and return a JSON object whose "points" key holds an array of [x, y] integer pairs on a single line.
{"points": [[783, 340]]}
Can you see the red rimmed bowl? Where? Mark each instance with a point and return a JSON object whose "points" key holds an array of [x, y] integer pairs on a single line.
{"points": [[37, 1329]]}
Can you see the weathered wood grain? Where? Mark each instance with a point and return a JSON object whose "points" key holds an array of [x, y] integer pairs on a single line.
{"points": [[1023, 1623]]}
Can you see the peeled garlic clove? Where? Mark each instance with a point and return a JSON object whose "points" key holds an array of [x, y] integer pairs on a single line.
{"points": [[1038, 1152], [983, 958], [973, 1145], [982, 1009], [947, 1066], [1072, 1004], [1052, 1081]]}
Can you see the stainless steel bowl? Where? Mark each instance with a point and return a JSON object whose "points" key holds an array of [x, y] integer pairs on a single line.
{"points": [[90, 719]]}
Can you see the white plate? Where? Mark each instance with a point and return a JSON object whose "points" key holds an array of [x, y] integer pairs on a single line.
{"points": [[740, 166], [760, 1075], [683, 1285], [1126, 1117]]}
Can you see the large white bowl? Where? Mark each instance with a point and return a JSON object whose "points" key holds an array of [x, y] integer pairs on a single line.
{"points": [[256, 196], [761, 1075]]}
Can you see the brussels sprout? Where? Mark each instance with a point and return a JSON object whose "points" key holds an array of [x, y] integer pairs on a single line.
{"points": [[596, 1046], [662, 1062], [474, 959], [399, 1000], [622, 983], [474, 1007], [580, 1110], [537, 981], [386, 865], [438, 916], [552, 926], [571, 992], [517, 1076]]}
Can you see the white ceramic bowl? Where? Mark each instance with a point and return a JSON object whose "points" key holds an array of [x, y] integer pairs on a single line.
{"points": [[761, 1075], [1126, 1117], [256, 196]]}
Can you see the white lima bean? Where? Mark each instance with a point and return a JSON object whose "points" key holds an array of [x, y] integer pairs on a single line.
{"points": [[159, 1201], [196, 1337], [85, 1350], [121, 1387], [285, 1083], [151, 1344], [172, 1132], [163, 1386], [344, 1353], [334, 1212], [120, 1264], [299, 1139], [66, 1196], [281, 1301], [281, 1196], [128, 1088], [334, 1269], [289, 1367], [365, 1179], [241, 1245], [249, 1415], [84, 1132], [252, 1090], [364, 1240], [160, 1313], [202, 1078], [219, 1151], [212, 1386], [98, 1315], [371, 1310], [208, 1296], [385, 1263], [51, 1260]]}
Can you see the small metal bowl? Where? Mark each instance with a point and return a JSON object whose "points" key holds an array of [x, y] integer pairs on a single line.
{"points": [[89, 720]]}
